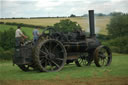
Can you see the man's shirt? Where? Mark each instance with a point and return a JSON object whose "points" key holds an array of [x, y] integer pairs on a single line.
{"points": [[35, 33], [18, 33]]}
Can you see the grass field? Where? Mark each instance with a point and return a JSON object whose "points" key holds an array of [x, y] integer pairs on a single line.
{"points": [[118, 68], [101, 22], [115, 74]]}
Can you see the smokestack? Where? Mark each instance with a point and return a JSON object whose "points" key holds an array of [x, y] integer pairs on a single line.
{"points": [[91, 23]]}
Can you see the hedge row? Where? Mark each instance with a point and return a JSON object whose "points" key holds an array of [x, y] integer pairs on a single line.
{"points": [[119, 44], [6, 54], [7, 44], [22, 24]]}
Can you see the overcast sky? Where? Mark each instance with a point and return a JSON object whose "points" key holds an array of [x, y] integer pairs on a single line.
{"points": [[45, 8]]}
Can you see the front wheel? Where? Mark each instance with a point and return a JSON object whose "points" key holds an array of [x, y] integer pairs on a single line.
{"points": [[102, 56]]}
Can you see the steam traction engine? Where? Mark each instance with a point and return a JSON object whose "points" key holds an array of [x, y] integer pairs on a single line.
{"points": [[54, 49]]}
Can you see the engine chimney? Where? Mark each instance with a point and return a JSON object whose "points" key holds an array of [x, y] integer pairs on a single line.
{"points": [[91, 23]]}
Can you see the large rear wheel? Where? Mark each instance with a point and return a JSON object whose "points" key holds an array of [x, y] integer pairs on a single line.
{"points": [[50, 55]]}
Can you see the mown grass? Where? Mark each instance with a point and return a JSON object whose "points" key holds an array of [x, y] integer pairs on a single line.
{"points": [[118, 68], [100, 22]]}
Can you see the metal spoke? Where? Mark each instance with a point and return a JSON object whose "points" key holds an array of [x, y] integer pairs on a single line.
{"points": [[41, 60], [100, 60], [58, 52], [81, 61], [50, 65], [103, 50], [55, 46], [43, 52], [59, 59], [44, 56], [50, 47], [55, 63], [106, 60], [46, 49], [103, 61], [45, 63], [106, 54]]}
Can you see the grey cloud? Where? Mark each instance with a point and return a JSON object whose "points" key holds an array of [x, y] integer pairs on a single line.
{"points": [[15, 8], [28, 8]]}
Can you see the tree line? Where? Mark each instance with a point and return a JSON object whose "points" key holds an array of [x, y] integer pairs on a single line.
{"points": [[22, 24], [71, 15]]}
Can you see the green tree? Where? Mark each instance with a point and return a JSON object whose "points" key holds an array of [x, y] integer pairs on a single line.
{"points": [[67, 26], [118, 26], [7, 43], [116, 13], [7, 39], [118, 32], [72, 15]]}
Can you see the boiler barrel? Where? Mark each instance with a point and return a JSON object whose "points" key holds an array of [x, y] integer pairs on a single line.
{"points": [[76, 46]]}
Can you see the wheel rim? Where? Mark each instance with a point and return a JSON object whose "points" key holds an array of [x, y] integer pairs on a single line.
{"points": [[103, 56], [52, 56]]}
